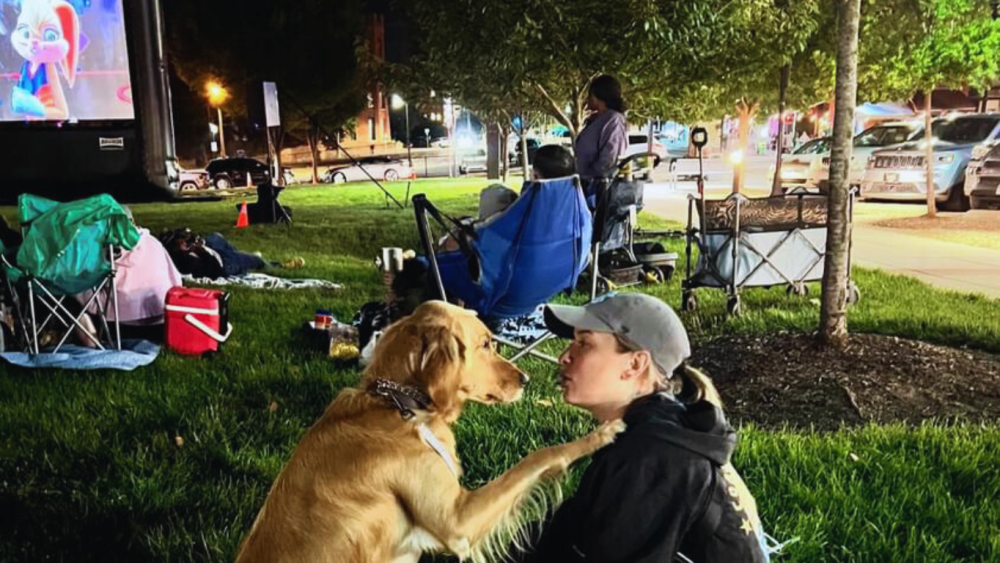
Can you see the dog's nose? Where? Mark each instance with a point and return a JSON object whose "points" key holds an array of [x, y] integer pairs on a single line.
{"points": [[524, 379]]}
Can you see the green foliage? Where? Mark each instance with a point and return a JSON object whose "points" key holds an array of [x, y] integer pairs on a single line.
{"points": [[908, 45]]}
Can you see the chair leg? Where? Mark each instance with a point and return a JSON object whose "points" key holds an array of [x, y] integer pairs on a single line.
{"points": [[34, 322], [114, 299], [529, 348]]}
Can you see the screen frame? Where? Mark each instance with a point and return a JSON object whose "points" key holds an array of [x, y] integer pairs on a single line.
{"points": [[93, 124]]}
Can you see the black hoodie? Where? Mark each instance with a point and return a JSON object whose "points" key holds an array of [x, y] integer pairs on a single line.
{"points": [[659, 489]]}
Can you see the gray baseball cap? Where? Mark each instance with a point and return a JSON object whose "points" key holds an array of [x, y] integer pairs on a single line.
{"points": [[641, 321]]}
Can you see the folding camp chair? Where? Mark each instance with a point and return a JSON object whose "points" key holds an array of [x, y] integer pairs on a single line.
{"points": [[68, 248], [517, 260]]}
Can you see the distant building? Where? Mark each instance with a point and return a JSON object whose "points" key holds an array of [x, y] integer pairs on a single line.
{"points": [[372, 131]]}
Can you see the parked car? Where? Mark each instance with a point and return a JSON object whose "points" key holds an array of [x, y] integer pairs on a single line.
{"points": [[473, 161], [227, 173], [865, 144], [638, 143], [192, 180], [897, 174], [799, 169], [982, 177], [380, 167]]}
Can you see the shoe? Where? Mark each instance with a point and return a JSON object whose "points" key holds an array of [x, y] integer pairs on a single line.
{"points": [[294, 263]]}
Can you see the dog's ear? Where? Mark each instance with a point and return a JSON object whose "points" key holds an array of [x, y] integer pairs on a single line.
{"points": [[441, 359]]}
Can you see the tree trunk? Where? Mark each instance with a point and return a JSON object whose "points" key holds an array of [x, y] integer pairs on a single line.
{"points": [[747, 111], [782, 94], [504, 154], [833, 305], [523, 134], [312, 137], [929, 154]]}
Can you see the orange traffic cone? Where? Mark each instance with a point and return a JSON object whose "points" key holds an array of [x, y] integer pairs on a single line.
{"points": [[243, 220]]}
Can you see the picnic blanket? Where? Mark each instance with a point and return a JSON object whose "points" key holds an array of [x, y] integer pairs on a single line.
{"points": [[134, 353], [258, 280]]}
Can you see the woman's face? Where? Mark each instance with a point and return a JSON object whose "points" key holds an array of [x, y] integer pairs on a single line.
{"points": [[594, 372], [594, 104]]}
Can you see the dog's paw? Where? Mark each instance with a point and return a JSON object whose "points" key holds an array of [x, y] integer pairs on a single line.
{"points": [[607, 432]]}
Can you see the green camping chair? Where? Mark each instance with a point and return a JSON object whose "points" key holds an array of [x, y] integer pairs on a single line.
{"points": [[68, 248]]}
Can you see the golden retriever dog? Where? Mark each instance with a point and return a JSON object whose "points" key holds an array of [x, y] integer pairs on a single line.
{"points": [[376, 479]]}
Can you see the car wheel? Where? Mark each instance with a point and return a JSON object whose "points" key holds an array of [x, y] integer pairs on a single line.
{"points": [[189, 187], [223, 183], [339, 178], [957, 200], [463, 170], [391, 175]]}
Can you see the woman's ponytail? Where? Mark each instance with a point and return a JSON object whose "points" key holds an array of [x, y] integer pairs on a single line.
{"points": [[697, 386]]}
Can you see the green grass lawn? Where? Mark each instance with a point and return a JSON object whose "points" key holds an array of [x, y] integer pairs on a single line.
{"points": [[172, 462]]}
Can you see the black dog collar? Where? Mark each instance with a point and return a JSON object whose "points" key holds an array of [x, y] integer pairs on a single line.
{"points": [[404, 398]]}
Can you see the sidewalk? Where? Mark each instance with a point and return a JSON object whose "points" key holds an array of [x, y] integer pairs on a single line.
{"points": [[943, 264]]}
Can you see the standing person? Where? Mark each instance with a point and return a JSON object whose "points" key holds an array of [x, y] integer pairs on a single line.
{"points": [[666, 485], [604, 137]]}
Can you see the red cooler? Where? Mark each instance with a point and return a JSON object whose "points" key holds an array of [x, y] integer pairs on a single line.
{"points": [[197, 320]]}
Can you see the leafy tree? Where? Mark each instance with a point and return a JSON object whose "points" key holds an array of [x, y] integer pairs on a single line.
{"points": [[309, 48], [919, 45], [541, 55], [756, 40]]}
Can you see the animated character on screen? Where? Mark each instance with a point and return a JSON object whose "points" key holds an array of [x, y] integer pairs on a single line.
{"points": [[47, 36]]}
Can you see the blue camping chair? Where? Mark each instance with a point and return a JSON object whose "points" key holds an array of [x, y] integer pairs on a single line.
{"points": [[520, 258]]}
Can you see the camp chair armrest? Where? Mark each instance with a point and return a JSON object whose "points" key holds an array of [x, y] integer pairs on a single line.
{"points": [[422, 208]]}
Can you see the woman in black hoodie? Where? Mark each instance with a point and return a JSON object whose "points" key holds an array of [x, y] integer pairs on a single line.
{"points": [[665, 490]]}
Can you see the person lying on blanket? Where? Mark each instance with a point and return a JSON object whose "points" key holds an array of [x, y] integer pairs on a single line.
{"points": [[213, 256], [666, 486]]}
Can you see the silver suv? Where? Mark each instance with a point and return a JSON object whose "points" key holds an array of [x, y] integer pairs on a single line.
{"points": [[898, 173]]}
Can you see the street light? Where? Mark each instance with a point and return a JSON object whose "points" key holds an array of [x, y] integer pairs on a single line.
{"points": [[217, 95], [398, 101]]}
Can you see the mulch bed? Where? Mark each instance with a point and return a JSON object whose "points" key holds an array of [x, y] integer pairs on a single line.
{"points": [[974, 220], [784, 379]]}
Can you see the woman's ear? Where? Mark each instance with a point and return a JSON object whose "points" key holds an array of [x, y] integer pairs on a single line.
{"points": [[638, 365]]}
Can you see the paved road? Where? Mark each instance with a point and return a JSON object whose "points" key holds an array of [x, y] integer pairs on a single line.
{"points": [[944, 264]]}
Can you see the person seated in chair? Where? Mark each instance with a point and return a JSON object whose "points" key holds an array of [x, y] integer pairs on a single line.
{"points": [[551, 161]]}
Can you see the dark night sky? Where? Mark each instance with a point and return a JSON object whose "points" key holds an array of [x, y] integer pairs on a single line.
{"points": [[397, 34]]}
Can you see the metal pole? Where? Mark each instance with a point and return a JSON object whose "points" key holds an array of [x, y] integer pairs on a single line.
{"points": [[222, 134], [409, 145]]}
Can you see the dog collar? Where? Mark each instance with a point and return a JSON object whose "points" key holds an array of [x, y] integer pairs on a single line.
{"points": [[404, 398]]}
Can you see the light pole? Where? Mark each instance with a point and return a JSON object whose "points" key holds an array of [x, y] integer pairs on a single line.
{"points": [[398, 100], [216, 96]]}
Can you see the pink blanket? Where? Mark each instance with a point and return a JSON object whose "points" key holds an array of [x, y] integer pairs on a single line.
{"points": [[145, 275]]}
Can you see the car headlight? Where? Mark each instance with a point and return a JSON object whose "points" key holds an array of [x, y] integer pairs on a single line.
{"points": [[980, 151], [946, 158]]}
